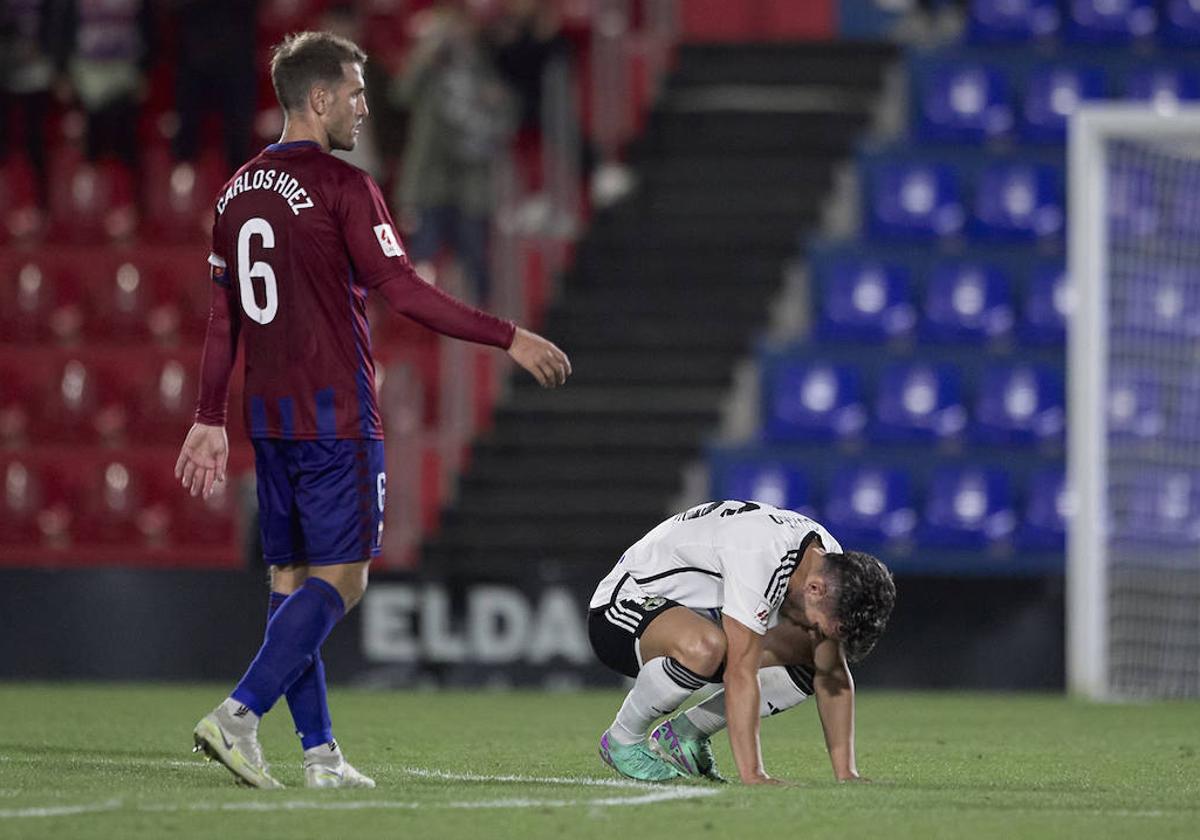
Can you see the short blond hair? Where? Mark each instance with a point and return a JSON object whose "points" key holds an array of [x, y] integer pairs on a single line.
{"points": [[304, 59]]}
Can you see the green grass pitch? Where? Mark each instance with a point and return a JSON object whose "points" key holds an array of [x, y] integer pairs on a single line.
{"points": [[101, 761]]}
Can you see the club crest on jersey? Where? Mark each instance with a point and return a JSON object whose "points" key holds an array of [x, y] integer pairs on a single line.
{"points": [[388, 242], [652, 603]]}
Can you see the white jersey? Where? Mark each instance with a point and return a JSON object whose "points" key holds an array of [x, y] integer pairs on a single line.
{"points": [[736, 557]]}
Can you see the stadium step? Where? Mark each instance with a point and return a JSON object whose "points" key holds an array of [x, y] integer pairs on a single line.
{"points": [[846, 65], [668, 289], [685, 366]]}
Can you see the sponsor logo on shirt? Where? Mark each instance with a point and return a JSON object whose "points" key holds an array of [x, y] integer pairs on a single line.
{"points": [[388, 242]]}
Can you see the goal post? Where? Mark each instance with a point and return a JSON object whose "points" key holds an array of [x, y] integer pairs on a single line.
{"points": [[1133, 545]]}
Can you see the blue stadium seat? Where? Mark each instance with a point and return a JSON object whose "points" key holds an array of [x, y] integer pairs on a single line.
{"points": [[968, 507], [1047, 305], [1109, 21], [967, 301], [1166, 304], [870, 506], [919, 401], [908, 200], [1012, 21], [809, 401], [1159, 506], [1163, 84], [865, 300], [963, 102], [1135, 201], [1182, 217], [1180, 24], [1052, 93], [1183, 423], [764, 481], [1020, 404], [1135, 404], [1047, 503], [1022, 201]]}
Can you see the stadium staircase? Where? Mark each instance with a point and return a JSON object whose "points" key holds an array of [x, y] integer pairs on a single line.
{"points": [[669, 288]]}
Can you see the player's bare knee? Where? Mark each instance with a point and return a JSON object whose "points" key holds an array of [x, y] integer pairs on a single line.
{"points": [[353, 587], [703, 652]]}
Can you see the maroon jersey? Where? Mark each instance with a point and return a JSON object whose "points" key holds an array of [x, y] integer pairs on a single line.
{"points": [[299, 239]]}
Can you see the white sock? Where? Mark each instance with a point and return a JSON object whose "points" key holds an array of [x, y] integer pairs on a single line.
{"points": [[661, 687], [239, 718], [778, 690], [329, 753]]}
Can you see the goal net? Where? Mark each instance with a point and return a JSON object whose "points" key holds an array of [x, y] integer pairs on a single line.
{"points": [[1133, 588]]}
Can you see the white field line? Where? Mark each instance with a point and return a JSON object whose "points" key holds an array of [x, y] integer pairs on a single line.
{"points": [[529, 780], [651, 794], [100, 761], [60, 810]]}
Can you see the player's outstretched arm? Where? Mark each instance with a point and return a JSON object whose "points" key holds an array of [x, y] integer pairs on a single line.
{"points": [[742, 658], [542, 358], [833, 687], [203, 459]]}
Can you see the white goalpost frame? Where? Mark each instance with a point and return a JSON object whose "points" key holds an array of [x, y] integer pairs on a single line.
{"points": [[1091, 127]]}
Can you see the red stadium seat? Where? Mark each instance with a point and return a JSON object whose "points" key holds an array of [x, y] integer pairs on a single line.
{"points": [[16, 391], [200, 521], [22, 217], [165, 403], [114, 509], [178, 197], [39, 301], [34, 504], [119, 301], [80, 405], [20, 503], [90, 203]]}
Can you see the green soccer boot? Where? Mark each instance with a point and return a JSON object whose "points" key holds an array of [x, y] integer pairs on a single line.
{"points": [[635, 761], [685, 748]]}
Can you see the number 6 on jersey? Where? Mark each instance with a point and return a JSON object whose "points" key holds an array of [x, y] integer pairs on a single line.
{"points": [[247, 272]]}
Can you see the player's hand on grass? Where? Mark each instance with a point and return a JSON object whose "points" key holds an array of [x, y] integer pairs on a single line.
{"points": [[203, 458], [549, 365]]}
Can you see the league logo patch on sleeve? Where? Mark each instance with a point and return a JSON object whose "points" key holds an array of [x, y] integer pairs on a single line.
{"points": [[763, 612], [388, 242]]}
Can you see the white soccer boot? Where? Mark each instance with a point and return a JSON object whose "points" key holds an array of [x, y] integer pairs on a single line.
{"points": [[326, 767], [234, 743]]}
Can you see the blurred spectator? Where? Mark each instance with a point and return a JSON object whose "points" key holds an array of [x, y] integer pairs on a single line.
{"points": [[106, 46], [525, 38], [460, 121], [26, 78], [216, 72]]}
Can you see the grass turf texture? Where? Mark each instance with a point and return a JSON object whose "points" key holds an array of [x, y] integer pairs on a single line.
{"points": [[943, 765]]}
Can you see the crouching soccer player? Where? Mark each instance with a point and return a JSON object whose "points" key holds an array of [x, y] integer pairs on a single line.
{"points": [[760, 599], [299, 239]]}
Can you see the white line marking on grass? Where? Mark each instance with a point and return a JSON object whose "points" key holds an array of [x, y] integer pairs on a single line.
{"points": [[529, 780], [60, 810], [267, 806]]}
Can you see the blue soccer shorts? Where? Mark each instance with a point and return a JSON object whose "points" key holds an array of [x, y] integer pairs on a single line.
{"points": [[320, 502]]}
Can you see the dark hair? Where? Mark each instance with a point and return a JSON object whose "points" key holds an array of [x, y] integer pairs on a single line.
{"points": [[303, 59], [864, 594]]}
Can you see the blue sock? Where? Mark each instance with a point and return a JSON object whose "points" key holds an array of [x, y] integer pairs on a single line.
{"points": [[306, 696], [294, 636]]}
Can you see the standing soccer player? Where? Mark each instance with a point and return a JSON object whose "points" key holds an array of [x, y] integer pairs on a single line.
{"points": [[299, 239], [760, 599]]}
